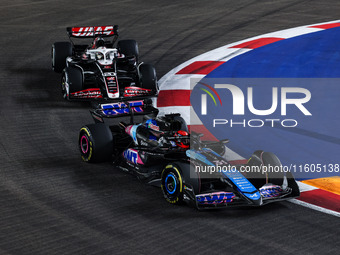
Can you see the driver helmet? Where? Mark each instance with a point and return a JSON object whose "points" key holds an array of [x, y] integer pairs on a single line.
{"points": [[182, 142]]}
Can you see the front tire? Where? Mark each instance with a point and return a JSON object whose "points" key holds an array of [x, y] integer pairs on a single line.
{"points": [[65, 87], [148, 77], [172, 184], [129, 48], [60, 51], [261, 159], [95, 143], [71, 81]]}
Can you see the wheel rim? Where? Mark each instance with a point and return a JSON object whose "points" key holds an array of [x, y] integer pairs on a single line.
{"points": [[171, 183], [53, 58], [63, 87], [157, 87], [84, 144]]}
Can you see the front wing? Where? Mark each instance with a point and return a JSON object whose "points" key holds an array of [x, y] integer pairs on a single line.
{"points": [[225, 199]]}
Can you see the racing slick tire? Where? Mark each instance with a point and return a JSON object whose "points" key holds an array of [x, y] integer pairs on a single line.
{"points": [[260, 176], [148, 77], [60, 51], [172, 184], [271, 161], [183, 126], [71, 81], [175, 178], [95, 143], [128, 48]]}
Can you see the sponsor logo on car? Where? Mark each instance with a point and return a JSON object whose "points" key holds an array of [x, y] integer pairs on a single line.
{"points": [[122, 108], [88, 93], [131, 155], [215, 198], [91, 31], [153, 127], [135, 91]]}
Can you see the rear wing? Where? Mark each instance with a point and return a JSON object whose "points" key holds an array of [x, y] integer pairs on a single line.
{"points": [[123, 109], [86, 32]]}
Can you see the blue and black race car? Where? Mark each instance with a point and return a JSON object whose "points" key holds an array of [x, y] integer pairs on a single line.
{"points": [[160, 151]]}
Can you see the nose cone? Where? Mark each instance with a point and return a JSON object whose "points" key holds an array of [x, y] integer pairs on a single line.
{"points": [[255, 197]]}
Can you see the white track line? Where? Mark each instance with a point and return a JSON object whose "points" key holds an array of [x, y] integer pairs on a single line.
{"points": [[315, 207]]}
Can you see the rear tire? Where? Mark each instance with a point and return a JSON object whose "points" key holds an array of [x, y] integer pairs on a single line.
{"points": [[95, 143], [148, 77], [128, 48], [60, 51]]}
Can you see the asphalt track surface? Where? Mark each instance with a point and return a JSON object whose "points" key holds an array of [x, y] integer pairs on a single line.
{"points": [[53, 203]]}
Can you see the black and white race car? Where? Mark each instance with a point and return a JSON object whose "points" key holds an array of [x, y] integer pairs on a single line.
{"points": [[100, 71]]}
